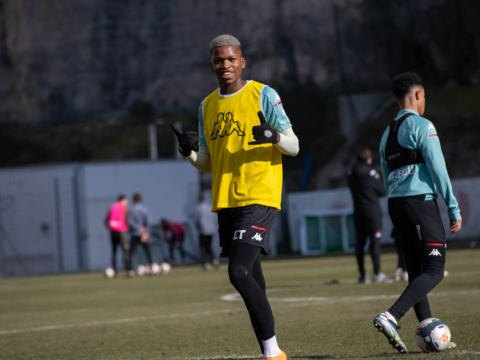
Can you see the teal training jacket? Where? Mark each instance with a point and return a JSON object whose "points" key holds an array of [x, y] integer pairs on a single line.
{"points": [[418, 133]]}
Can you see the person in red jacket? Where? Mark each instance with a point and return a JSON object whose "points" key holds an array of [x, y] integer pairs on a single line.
{"points": [[173, 233]]}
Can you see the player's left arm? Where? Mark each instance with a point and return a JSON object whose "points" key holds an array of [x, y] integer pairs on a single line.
{"points": [[275, 126], [429, 145]]}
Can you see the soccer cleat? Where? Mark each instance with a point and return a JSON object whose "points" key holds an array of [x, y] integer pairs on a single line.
{"points": [[282, 356], [363, 279], [381, 278], [389, 329]]}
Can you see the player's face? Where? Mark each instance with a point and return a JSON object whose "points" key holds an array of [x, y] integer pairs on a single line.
{"points": [[227, 64]]}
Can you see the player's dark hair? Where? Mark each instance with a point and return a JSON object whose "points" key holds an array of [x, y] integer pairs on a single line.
{"points": [[403, 83], [137, 198], [121, 197], [363, 154]]}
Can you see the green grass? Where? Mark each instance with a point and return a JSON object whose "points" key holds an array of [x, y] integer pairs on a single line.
{"points": [[182, 316]]}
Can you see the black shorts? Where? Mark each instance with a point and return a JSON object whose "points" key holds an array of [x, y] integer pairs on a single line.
{"points": [[245, 225], [420, 230]]}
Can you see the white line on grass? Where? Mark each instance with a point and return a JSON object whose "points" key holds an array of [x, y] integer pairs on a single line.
{"points": [[117, 321], [336, 299]]}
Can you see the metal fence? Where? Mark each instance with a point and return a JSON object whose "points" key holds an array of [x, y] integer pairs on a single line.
{"points": [[49, 224], [39, 231]]}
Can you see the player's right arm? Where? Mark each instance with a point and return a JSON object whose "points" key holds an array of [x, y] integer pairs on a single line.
{"points": [[193, 146], [200, 159]]}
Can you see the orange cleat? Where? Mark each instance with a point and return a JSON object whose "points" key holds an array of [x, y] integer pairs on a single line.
{"points": [[282, 356]]}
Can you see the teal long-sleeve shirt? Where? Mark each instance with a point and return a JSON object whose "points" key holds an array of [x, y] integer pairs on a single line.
{"points": [[418, 133]]}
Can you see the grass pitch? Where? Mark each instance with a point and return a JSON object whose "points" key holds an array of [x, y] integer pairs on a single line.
{"points": [[320, 312]]}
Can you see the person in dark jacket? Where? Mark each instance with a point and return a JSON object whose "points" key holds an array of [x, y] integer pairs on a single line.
{"points": [[140, 220], [366, 188]]}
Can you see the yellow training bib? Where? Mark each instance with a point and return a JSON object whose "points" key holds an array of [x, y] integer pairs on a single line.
{"points": [[242, 174]]}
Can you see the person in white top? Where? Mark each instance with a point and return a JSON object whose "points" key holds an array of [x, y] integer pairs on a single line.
{"points": [[207, 226]]}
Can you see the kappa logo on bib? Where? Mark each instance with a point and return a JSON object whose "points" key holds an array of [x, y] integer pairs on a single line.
{"points": [[226, 126]]}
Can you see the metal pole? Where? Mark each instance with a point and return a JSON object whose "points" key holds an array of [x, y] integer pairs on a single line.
{"points": [[58, 220], [152, 137], [78, 218]]}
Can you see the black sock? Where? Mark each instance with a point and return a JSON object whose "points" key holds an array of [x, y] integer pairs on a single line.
{"points": [[246, 276]]}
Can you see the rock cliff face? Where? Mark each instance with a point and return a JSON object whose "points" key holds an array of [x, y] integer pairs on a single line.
{"points": [[72, 58]]}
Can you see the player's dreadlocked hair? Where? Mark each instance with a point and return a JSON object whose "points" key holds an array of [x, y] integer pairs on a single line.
{"points": [[224, 40], [403, 83]]}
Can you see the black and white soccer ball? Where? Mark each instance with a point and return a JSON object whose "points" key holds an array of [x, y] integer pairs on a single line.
{"points": [[432, 335]]}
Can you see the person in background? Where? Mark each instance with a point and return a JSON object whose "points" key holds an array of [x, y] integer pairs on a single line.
{"points": [[116, 222], [173, 233], [366, 188], [139, 219], [207, 226], [401, 272]]}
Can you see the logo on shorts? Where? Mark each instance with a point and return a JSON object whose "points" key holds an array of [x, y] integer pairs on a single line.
{"points": [[257, 237], [435, 252]]}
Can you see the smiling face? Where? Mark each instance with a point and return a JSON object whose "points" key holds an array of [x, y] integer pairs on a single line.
{"points": [[227, 64]]}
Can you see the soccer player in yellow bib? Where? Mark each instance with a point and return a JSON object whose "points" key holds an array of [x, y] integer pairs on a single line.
{"points": [[243, 131]]}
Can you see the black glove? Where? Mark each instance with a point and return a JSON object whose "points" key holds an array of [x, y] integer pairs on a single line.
{"points": [[263, 133], [187, 141]]}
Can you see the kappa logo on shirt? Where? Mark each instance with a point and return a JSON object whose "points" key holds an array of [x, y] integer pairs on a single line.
{"points": [[435, 252], [226, 126]]}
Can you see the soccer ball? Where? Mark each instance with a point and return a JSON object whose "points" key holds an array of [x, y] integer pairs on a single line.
{"points": [[141, 270], [109, 273], [166, 267], [432, 335], [155, 269]]}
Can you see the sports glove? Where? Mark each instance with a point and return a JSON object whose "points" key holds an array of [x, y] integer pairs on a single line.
{"points": [[187, 142], [263, 133]]}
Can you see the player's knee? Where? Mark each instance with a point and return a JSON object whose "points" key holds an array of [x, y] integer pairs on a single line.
{"points": [[237, 274], [436, 273]]}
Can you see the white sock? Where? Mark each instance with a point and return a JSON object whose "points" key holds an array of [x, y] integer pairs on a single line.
{"points": [[390, 317], [271, 347]]}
